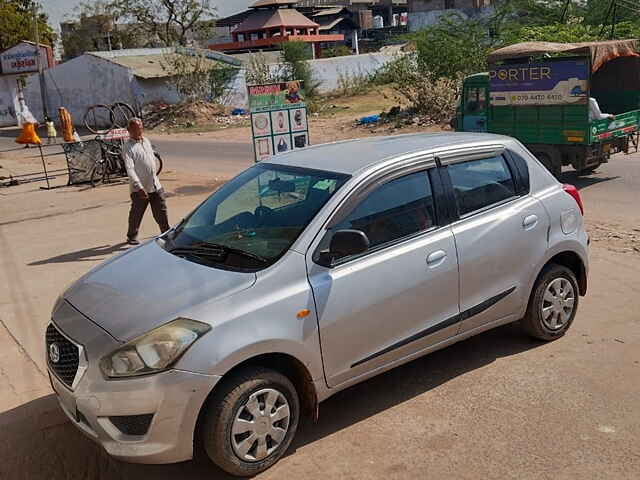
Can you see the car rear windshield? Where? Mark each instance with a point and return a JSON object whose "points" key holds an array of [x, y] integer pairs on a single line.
{"points": [[255, 218]]}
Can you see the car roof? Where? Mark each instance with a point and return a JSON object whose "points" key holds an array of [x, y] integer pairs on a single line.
{"points": [[352, 156]]}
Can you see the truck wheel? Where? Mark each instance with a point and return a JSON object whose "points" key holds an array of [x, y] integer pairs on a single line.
{"points": [[553, 304], [555, 167], [589, 170], [251, 421]]}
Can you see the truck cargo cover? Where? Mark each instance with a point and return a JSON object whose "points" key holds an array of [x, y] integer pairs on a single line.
{"points": [[600, 52]]}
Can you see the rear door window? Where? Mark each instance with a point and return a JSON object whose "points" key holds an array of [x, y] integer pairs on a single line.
{"points": [[479, 184]]}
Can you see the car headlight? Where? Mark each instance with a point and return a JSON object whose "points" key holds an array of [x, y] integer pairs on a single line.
{"points": [[155, 351]]}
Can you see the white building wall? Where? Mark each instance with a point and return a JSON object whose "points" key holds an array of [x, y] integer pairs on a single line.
{"points": [[8, 100], [329, 70], [78, 84], [154, 90]]}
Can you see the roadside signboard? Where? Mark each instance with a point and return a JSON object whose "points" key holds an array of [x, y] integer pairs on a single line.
{"points": [[22, 58], [559, 82], [278, 118]]}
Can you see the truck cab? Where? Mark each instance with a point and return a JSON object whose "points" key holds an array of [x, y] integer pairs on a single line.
{"points": [[474, 103]]}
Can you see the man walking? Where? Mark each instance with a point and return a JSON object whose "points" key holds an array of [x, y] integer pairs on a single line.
{"points": [[140, 163]]}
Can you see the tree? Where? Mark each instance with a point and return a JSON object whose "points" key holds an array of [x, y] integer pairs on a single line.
{"points": [[16, 23], [196, 77], [96, 28], [570, 33], [295, 67], [454, 45], [172, 22]]}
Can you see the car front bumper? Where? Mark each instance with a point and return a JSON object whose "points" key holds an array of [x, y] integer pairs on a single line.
{"points": [[172, 400], [147, 419]]}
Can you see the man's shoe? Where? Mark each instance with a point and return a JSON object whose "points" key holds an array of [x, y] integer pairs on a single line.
{"points": [[133, 241]]}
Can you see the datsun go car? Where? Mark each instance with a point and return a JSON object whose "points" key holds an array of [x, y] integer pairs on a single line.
{"points": [[303, 276]]}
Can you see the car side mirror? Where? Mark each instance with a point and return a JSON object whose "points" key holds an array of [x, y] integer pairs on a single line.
{"points": [[345, 243]]}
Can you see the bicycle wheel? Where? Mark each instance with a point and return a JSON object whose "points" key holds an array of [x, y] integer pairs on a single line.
{"points": [[159, 163], [99, 173], [98, 119], [122, 113]]}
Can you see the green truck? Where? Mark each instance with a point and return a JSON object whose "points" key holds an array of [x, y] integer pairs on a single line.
{"points": [[542, 94]]}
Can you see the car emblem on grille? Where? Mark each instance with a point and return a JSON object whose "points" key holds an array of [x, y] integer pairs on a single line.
{"points": [[54, 353]]}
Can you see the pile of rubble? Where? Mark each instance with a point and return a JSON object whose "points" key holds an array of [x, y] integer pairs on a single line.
{"points": [[162, 117], [397, 118]]}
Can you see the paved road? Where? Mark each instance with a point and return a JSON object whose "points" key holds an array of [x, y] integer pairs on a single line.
{"points": [[225, 159]]}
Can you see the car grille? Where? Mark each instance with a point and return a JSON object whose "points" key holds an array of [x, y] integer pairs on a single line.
{"points": [[133, 424], [66, 367]]}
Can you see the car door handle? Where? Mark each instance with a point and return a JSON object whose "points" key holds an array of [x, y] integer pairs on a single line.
{"points": [[436, 258], [530, 222]]}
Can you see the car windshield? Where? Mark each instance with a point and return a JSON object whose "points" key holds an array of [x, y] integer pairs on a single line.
{"points": [[253, 219]]}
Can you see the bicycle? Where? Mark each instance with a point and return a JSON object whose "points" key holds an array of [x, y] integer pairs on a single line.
{"points": [[102, 118], [111, 163]]}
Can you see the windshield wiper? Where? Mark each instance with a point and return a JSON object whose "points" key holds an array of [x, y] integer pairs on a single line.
{"points": [[215, 251]]}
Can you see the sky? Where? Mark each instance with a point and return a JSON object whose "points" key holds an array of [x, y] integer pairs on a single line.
{"points": [[58, 10]]}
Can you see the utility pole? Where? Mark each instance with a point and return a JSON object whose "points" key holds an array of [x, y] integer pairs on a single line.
{"points": [[43, 87]]}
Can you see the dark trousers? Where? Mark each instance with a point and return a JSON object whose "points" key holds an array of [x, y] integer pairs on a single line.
{"points": [[139, 206]]}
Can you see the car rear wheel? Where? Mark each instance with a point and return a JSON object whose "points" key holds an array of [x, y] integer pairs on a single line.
{"points": [[553, 304], [251, 421]]}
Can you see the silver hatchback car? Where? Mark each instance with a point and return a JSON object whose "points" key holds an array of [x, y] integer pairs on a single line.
{"points": [[304, 276]]}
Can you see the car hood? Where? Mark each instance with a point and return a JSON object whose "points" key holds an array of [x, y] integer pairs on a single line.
{"points": [[147, 287]]}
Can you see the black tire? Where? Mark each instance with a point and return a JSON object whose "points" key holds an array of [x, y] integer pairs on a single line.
{"points": [[533, 323], [589, 170], [98, 173], [227, 402], [98, 119], [122, 113], [159, 163]]}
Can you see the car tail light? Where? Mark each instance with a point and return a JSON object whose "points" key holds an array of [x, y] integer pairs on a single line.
{"points": [[573, 191]]}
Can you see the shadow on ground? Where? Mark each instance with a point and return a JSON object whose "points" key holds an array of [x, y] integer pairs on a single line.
{"points": [[582, 182], [86, 255], [39, 442]]}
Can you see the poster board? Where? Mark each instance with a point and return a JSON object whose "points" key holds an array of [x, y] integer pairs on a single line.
{"points": [[560, 82], [279, 121]]}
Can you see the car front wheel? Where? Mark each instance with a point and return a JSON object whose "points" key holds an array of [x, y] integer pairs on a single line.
{"points": [[553, 304], [251, 421]]}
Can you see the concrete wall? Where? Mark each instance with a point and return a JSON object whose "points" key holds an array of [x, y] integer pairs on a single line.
{"points": [[8, 100], [328, 70], [154, 90], [78, 84]]}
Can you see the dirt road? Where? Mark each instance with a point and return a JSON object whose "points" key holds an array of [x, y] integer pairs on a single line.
{"points": [[495, 406]]}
